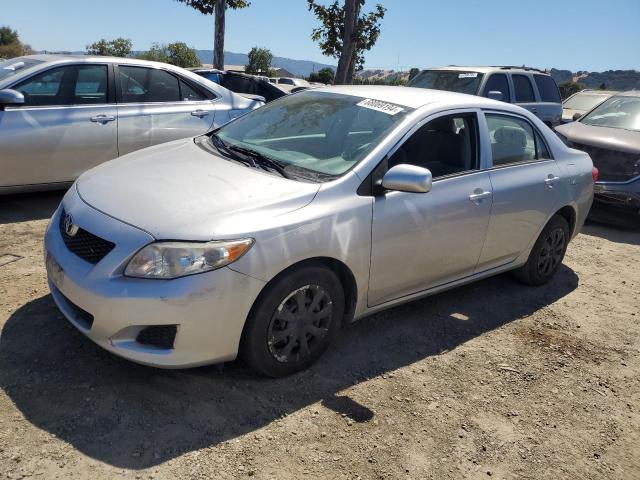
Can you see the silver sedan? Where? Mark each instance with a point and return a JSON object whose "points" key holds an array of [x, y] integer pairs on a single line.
{"points": [[61, 115], [264, 236]]}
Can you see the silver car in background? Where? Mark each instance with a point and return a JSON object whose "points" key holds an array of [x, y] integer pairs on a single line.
{"points": [[581, 102], [61, 115], [264, 236]]}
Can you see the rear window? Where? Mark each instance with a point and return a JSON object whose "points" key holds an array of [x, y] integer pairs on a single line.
{"points": [[523, 88], [547, 88], [450, 81]]}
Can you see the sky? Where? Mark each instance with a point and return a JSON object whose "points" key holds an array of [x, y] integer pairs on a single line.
{"points": [[592, 35]]}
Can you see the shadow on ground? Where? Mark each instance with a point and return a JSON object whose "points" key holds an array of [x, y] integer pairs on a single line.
{"points": [[137, 417], [29, 206], [612, 233]]}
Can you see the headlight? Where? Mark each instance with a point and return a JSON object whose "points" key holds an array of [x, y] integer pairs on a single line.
{"points": [[165, 260]]}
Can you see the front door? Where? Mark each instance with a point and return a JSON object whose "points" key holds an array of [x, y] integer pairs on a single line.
{"points": [[156, 106], [422, 240], [67, 125]]}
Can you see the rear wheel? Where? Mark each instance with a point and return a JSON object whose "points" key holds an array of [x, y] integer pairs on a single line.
{"points": [[547, 253], [293, 321]]}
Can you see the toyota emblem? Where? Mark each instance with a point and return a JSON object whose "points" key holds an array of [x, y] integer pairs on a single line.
{"points": [[69, 228]]}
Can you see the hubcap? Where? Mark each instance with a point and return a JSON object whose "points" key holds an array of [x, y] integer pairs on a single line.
{"points": [[299, 324], [552, 252]]}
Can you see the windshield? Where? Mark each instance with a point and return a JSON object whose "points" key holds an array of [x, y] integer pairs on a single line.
{"points": [[584, 101], [315, 134], [617, 112], [9, 68], [461, 82]]}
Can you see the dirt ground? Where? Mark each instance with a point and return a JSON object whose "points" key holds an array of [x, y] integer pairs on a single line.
{"points": [[490, 380]]}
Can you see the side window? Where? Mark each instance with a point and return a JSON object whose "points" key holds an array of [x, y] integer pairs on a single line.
{"points": [[188, 93], [91, 84], [446, 146], [547, 88], [498, 83], [523, 88], [46, 88], [71, 85], [147, 85], [512, 139]]}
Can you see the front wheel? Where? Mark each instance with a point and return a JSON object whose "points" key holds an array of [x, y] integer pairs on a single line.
{"points": [[547, 253], [293, 321]]}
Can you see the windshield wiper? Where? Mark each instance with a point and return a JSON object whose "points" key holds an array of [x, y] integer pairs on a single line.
{"points": [[225, 148], [262, 160]]}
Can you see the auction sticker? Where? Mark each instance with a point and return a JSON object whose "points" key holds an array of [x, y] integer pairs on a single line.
{"points": [[468, 75], [380, 106]]}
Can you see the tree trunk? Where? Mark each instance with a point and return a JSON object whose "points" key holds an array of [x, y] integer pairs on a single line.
{"points": [[218, 42], [349, 40], [352, 68]]}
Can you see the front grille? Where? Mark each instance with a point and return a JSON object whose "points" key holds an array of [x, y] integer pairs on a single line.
{"points": [[613, 166], [86, 245], [159, 336]]}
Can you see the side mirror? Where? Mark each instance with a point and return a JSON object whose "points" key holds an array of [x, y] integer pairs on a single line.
{"points": [[10, 97], [576, 116], [407, 178], [496, 95]]}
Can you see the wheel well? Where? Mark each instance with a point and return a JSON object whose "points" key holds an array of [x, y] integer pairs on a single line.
{"points": [[569, 215], [340, 269]]}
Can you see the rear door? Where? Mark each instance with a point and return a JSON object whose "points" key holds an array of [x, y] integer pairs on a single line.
{"points": [[67, 125], [550, 105], [524, 92], [157, 106], [525, 181]]}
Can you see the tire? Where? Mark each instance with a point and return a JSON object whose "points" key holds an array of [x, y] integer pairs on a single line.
{"points": [[293, 321], [547, 253]]}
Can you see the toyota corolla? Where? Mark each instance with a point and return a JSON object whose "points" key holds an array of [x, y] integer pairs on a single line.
{"points": [[263, 237]]}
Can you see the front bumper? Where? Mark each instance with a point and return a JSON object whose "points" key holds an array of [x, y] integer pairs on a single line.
{"points": [[622, 195], [208, 309]]}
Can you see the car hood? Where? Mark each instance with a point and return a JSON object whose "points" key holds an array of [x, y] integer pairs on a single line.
{"points": [[180, 191], [603, 137]]}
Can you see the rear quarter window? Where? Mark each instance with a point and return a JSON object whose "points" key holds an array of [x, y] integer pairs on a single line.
{"points": [[547, 88]]}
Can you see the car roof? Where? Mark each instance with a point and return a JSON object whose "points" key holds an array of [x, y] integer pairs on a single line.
{"points": [[591, 91], [629, 93], [68, 58], [414, 97], [488, 69]]}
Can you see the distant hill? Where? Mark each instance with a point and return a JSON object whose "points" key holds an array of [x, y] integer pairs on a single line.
{"points": [[300, 68]]}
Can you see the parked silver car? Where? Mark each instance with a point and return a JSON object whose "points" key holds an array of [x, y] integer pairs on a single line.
{"points": [[581, 102], [62, 115], [530, 88], [319, 208]]}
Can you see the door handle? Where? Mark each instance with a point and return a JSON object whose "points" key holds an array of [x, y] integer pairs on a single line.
{"points": [[103, 119], [200, 113], [551, 180], [478, 195]]}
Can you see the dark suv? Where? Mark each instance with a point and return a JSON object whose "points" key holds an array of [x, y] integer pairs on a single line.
{"points": [[530, 88]]}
